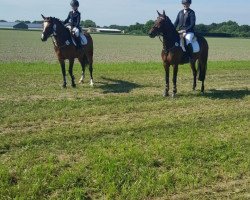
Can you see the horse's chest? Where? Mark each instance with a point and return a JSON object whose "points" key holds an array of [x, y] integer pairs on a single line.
{"points": [[171, 57]]}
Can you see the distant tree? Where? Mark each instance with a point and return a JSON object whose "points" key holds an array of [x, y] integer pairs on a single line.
{"points": [[1, 20], [88, 23], [37, 22], [201, 28], [149, 24], [26, 22], [137, 27], [118, 27]]}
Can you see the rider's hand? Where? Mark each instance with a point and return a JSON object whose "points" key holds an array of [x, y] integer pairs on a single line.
{"points": [[181, 31]]}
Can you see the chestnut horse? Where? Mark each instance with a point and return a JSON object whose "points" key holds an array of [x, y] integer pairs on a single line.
{"points": [[66, 49], [173, 54]]}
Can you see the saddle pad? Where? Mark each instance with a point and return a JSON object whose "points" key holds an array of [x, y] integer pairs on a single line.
{"points": [[84, 40], [195, 44]]}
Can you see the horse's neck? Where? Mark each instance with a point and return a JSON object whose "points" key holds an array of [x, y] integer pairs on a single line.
{"points": [[170, 37], [62, 34]]}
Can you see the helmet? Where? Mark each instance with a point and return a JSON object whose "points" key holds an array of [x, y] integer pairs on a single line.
{"points": [[74, 3], [186, 1]]}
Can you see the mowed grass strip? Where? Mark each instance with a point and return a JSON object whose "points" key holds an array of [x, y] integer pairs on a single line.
{"points": [[121, 139]]}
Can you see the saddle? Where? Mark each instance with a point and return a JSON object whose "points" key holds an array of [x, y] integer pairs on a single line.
{"points": [[83, 38], [195, 44], [183, 44]]}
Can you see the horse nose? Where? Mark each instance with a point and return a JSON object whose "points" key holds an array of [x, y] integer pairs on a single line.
{"points": [[42, 37]]}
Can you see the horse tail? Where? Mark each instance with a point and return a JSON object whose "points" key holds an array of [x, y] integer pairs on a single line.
{"points": [[88, 57], [202, 61]]}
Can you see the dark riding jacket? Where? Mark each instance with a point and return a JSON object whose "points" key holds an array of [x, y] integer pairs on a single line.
{"points": [[185, 21], [74, 18]]}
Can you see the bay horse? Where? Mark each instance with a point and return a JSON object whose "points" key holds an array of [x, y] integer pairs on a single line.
{"points": [[66, 50], [173, 54]]}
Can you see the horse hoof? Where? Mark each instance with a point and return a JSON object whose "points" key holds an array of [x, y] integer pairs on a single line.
{"points": [[73, 85], [81, 81], [173, 95], [64, 86], [165, 94], [91, 83]]}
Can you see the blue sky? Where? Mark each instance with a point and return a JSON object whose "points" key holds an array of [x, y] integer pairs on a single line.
{"points": [[126, 12]]}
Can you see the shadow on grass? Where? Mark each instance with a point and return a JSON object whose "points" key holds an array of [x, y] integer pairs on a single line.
{"points": [[227, 94], [117, 86]]}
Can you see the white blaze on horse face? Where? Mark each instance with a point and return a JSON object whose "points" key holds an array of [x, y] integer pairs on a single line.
{"points": [[45, 25]]}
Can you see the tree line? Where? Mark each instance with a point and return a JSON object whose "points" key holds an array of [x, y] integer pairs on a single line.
{"points": [[224, 29]]}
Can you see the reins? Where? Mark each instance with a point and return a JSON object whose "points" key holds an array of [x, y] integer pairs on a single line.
{"points": [[55, 43], [169, 49]]}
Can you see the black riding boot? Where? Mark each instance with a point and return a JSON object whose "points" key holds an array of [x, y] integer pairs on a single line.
{"points": [[78, 42], [190, 51]]}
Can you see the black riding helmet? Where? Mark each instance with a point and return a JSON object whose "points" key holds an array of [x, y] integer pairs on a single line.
{"points": [[74, 3], [186, 1]]}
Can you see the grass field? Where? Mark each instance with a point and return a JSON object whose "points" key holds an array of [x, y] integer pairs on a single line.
{"points": [[121, 139], [27, 47]]}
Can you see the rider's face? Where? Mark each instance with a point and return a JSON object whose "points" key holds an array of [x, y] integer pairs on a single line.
{"points": [[74, 8], [186, 5]]}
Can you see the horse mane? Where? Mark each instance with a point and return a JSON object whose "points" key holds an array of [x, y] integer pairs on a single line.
{"points": [[57, 20], [172, 28], [169, 22]]}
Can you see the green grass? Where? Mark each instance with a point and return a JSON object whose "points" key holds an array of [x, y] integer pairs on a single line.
{"points": [[26, 46], [121, 139]]}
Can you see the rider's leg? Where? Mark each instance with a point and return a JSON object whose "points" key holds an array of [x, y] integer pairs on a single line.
{"points": [[77, 37], [189, 37]]}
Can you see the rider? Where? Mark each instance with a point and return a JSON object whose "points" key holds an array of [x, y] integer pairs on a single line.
{"points": [[185, 22], [74, 19]]}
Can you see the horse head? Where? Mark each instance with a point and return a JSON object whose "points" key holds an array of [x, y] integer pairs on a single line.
{"points": [[49, 28], [159, 25]]}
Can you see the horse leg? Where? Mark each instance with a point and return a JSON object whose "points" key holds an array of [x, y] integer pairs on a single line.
{"points": [[91, 73], [62, 63], [71, 64], [192, 64], [166, 67], [90, 61], [202, 87], [83, 64], [175, 72], [202, 73]]}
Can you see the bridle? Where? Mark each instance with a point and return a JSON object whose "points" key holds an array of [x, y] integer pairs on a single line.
{"points": [[162, 40]]}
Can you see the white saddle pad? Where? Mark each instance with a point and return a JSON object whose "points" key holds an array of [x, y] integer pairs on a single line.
{"points": [[195, 44], [84, 40]]}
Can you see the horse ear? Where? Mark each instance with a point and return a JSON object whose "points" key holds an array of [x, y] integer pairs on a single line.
{"points": [[164, 14], [158, 13], [43, 16]]}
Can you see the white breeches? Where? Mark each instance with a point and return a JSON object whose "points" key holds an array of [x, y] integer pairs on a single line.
{"points": [[189, 37], [75, 30]]}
